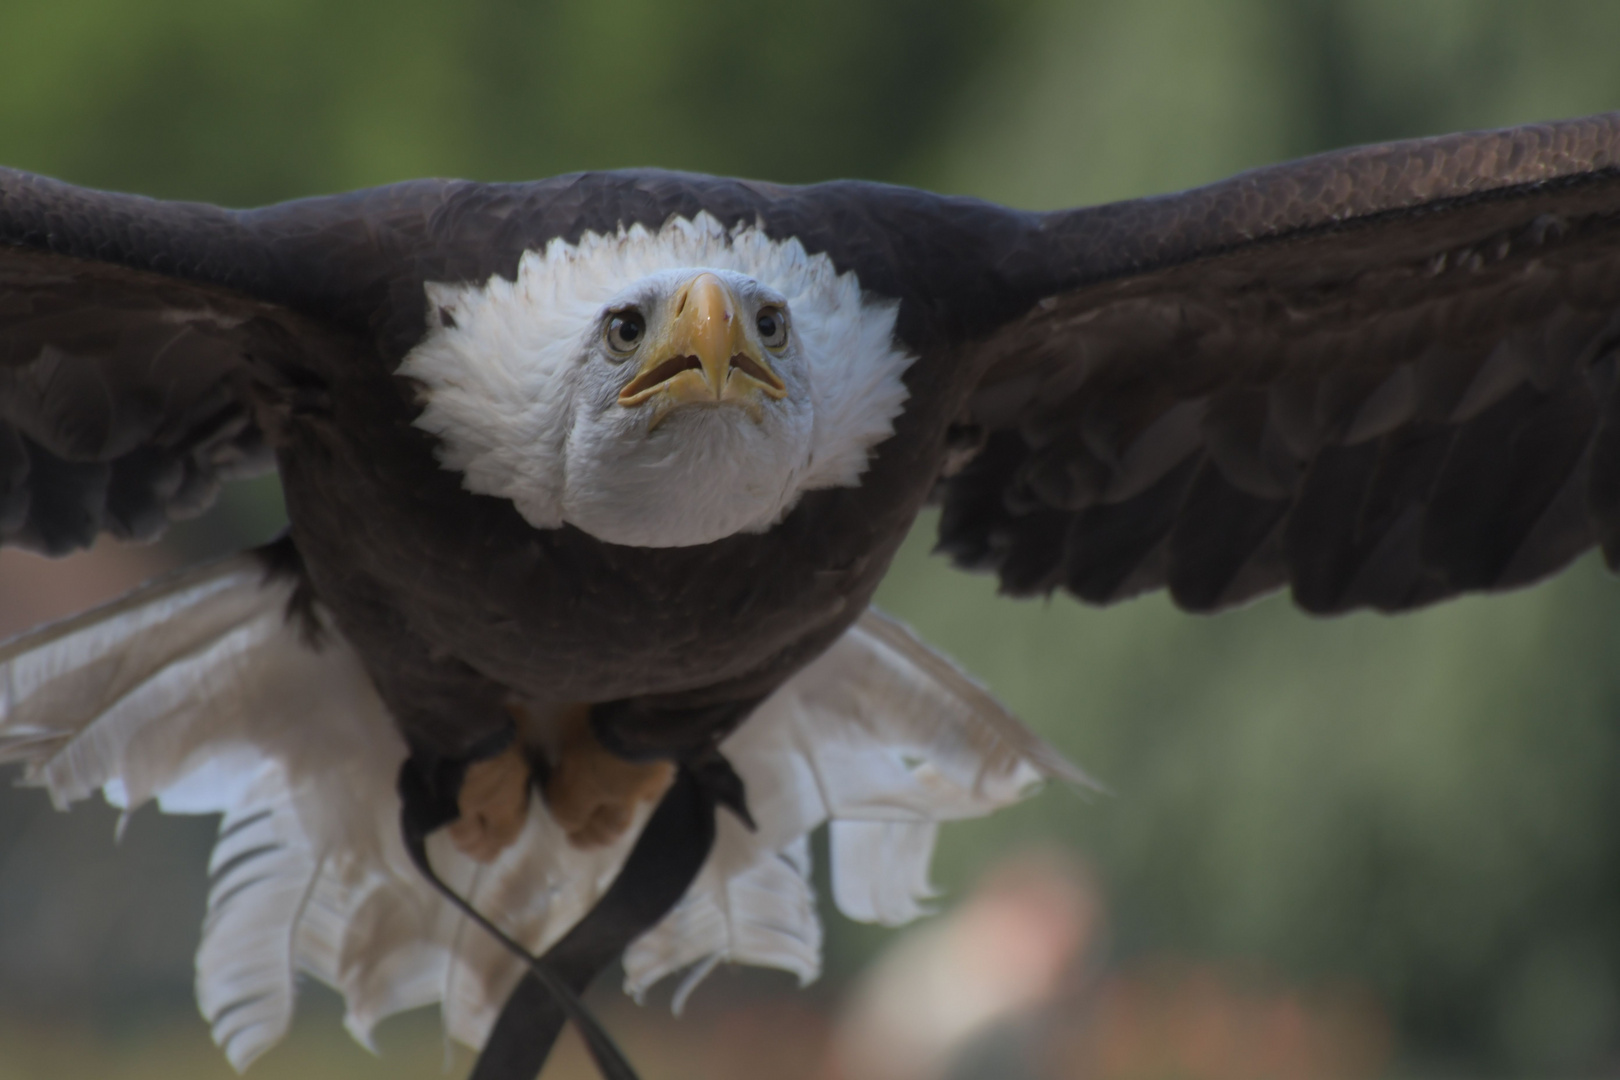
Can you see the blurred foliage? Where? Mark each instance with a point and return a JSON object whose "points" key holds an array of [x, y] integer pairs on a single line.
{"points": [[165, 1053], [1093, 100], [268, 99], [1422, 804]]}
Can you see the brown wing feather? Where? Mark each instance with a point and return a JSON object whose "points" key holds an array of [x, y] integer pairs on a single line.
{"points": [[133, 361], [1381, 377]]}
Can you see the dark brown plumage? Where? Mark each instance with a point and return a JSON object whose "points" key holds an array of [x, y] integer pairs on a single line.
{"points": [[1381, 396]]}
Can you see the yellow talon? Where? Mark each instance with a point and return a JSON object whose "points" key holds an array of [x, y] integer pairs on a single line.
{"points": [[593, 792], [494, 803]]}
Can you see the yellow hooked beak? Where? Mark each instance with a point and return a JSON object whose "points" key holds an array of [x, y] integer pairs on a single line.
{"points": [[706, 354]]}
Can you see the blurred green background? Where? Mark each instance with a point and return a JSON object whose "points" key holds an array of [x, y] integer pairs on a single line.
{"points": [[1423, 810]]}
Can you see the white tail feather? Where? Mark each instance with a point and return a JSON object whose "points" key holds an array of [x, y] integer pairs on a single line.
{"points": [[902, 848], [762, 914], [882, 737], [199, 692], [263, 871]]}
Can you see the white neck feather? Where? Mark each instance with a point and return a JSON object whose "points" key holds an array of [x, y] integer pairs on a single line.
{"points": [[503, 369]]}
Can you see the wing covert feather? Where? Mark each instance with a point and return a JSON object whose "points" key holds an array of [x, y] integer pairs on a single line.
{"points": [[129, 331], [1380, 377]]}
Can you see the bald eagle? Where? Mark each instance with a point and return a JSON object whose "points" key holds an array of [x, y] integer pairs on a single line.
{"points": [[590, 482]]}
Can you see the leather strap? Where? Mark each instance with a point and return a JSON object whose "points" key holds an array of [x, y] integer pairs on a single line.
{"points": [[661, 866]]}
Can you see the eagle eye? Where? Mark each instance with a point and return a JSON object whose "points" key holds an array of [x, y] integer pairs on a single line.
{"points": [[772, 325], [625, 329]]}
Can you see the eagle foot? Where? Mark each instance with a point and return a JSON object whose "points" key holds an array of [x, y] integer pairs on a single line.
{"points": [[494, 803], [592, 792]]}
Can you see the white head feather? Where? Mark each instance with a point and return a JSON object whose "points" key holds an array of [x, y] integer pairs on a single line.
{"points": [[523, 396]]}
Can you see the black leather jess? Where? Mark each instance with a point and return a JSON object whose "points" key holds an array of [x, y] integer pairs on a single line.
{"points": [[661, 866]]}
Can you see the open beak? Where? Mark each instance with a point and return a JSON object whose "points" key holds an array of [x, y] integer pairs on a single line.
{"points": [[706, 355]]}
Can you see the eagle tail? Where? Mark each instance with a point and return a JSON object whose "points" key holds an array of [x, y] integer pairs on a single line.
{"points": [[207, 692], [203, 691]]}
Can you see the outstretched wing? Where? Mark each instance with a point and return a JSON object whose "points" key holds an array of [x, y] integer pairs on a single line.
{"points": [[132, 339], [1381, 377]]}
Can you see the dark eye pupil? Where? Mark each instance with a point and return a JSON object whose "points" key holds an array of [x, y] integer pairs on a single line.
{"points": [[624, 330], [767, 325]]}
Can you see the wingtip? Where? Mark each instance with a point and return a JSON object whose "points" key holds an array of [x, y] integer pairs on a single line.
{"points": [[1052, 762]]}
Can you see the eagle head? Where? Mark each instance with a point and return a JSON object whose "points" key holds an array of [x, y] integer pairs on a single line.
{"points": [[659, 389], [693, 412]]}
